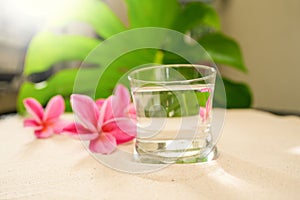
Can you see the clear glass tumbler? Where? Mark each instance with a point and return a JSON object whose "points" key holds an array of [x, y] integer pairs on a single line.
{"points": [[174, 113]]}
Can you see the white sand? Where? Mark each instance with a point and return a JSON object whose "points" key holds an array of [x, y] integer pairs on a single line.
{"points": [[259, 159]]}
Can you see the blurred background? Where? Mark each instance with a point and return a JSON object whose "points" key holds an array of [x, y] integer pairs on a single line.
{"points": [[267, 32]]}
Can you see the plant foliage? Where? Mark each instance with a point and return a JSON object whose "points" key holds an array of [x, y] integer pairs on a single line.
{"points": [[198, 19]]}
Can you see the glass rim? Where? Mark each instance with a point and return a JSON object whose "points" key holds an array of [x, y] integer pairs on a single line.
{"points": [[213, 73]]}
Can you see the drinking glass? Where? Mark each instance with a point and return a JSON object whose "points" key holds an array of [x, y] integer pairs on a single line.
{"points": [[174, 113]]}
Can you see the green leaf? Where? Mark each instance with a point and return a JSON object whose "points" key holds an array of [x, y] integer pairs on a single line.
{"points": [[93, 12], [223, 50], [61, 83], [118, 69], [172, 58], [154, 13], [202, 98], [47, 49], [238, 94], [194, 14]]}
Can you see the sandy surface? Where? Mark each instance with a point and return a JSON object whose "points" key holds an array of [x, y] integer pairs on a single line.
{"points": [[259, 159]]}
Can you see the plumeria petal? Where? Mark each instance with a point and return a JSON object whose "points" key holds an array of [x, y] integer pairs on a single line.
{"points": [[115, 106], [122, 93], [44, 133], [203, 113], [86, 110], [207, 89], [208, 104], [59, 125], [80, 132], [34, 108], [99, 103], [131, 112], [55, 107], [104, 144], [121, 101], [123, 129], [31, 123], [106, 111]]}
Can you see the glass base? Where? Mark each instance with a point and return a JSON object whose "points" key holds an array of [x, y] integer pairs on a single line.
{"points": [[207, 155]]}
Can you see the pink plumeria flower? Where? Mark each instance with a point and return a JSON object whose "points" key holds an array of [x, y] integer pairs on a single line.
{"points": [[120, 104], [205, 112], [45, 122], [104, 123]]}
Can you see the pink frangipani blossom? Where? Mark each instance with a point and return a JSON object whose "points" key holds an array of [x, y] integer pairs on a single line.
{"points": [[105, 123], [205, 112], [45, 122]]}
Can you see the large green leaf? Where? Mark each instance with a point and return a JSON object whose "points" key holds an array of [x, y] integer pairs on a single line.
{"points": [[223, 50], [152, 13], [194, 14], [120, 67], [238, 94], [47, 49], [93, 12], [61, 83]]}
